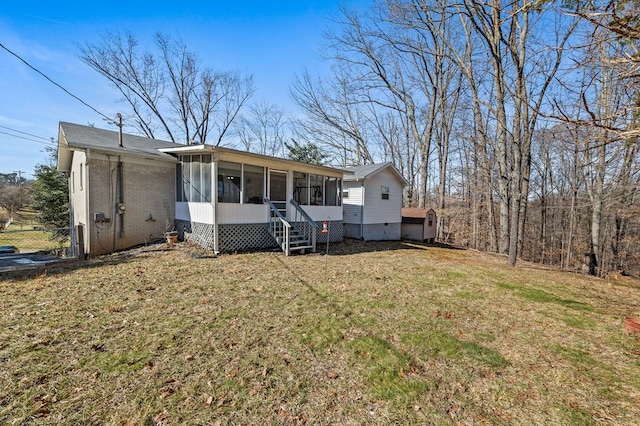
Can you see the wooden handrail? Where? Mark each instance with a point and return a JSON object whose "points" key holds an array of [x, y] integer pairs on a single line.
{"points": [[304, 214], [309, 220], [283, 223]]}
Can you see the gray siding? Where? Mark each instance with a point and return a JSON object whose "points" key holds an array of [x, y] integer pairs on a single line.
{"points": [[353, 230], [382, 231]]}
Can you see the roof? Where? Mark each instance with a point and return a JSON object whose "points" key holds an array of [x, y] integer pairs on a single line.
{"points": [[364, 172], [76, 137], [200, 148], [415, 212]]}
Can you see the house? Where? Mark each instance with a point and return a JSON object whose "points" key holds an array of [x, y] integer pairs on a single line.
{"points": [[130, 190], [120, 194], [372, 202], [229, 200], [419, 224]]}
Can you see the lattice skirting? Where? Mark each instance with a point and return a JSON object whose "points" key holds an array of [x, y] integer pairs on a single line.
{"points": [[199, 233], [336, 232], [245, 237]]}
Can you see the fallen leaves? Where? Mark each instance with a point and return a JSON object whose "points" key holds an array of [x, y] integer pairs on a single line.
{"points": [[161, 419], [446, 315]]}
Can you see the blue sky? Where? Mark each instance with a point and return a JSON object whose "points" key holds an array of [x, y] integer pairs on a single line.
{"points": [[272, 40]]}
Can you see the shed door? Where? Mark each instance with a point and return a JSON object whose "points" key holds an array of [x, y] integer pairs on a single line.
{"points": [[278, 190]]}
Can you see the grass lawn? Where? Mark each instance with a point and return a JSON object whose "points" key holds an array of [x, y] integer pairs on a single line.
{"points": [[22, 235], [376, 333]]}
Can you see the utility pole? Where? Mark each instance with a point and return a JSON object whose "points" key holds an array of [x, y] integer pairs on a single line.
{"points": [[119, 124], [19, 173]]}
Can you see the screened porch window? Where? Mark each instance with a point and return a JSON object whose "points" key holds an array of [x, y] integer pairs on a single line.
{"points": [[253, 190], [316, 190], [301, 188], [333, 188], [193, 179], [229, 182], [186, 178]]}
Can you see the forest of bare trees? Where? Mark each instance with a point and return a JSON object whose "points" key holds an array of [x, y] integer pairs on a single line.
{"points": [[515, 120]]}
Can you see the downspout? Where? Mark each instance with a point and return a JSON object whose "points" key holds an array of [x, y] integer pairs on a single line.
{"points": [[121, 206], [72, 231], [115, 206], [86, 249], [362, 213]]}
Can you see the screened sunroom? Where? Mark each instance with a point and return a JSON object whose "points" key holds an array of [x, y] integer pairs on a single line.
{"points": [[229, 200]]}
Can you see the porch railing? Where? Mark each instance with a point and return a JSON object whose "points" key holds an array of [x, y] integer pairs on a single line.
{"points": [[305, 224], [280, 228]]}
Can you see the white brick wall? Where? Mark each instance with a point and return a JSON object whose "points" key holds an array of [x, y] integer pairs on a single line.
{"points": [[149, 197]]}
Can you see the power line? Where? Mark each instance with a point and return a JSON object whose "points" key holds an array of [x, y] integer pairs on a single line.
{"points": [[25, 133], [53, 82], [25, 138]]}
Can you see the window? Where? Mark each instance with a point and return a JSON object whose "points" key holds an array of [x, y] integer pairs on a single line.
{"points": [[316, 190], [206, 178], [193, 179], [385, 192], [430, 219], [196, 181], [81, 174], [301, 188], [229, 182], [345, 193], [179, 188], [253, 190], [333, 191], [186, 178], [73, 181]]}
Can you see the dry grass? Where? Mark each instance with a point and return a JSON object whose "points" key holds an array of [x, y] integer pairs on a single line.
{"points": [[373, 334], [22, 234]]}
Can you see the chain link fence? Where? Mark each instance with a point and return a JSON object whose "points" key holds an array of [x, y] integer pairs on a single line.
{"points": [[36, 240]]}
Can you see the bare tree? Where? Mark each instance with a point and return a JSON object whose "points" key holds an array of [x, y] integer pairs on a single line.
{"points": [[15, 197], [262, 129], [169, 92], [428, 35], [521, 81], [333, 117]]}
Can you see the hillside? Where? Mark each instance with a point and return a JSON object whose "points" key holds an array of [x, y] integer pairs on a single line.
{"points": [[375, 333]]}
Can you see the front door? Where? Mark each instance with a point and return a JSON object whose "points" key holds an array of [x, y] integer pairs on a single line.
{"points": [[278, 190]]}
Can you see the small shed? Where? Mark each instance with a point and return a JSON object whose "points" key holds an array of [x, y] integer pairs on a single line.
{"points": [[419, 224], [372, 202]]}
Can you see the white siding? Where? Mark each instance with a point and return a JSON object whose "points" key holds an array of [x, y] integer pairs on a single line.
{"points": [[352, 206], [231, 213], [195, 212], [378, 210], [321, 213], [78, 196]]}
